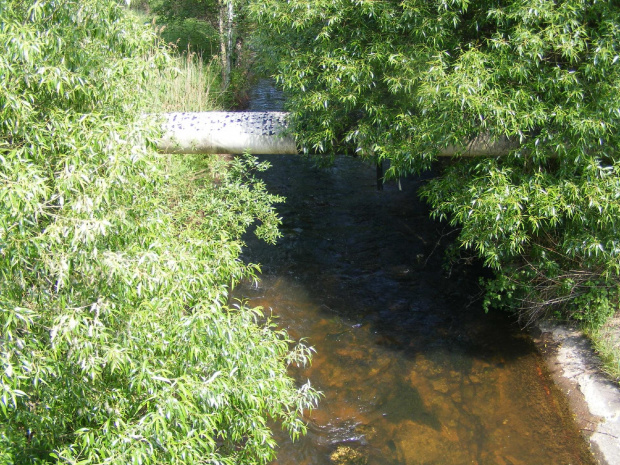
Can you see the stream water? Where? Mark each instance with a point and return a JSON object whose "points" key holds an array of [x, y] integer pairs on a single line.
{"points": [[412, 370]]}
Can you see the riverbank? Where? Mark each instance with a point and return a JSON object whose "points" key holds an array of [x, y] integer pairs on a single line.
{"points": [[593, 397]]}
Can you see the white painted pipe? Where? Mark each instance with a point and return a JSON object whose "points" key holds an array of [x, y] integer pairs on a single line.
{"points": [[264, 133], [226, 132]]}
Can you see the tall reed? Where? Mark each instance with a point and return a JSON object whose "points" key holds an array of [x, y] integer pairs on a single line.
{"points": [[190, 84]]}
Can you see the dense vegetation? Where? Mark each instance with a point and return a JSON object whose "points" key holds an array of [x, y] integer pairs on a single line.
{"points": [[215, 30], [404, 79], [116, 343]]}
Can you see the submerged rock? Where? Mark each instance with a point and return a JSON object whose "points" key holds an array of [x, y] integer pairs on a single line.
{"points": [[367, 431], [345, 455]]}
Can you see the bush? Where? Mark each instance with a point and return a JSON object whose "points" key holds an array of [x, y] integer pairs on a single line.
{"points": [[404, 80], [116, 343], [192, 35]]}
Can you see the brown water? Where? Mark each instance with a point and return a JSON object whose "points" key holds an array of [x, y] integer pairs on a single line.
{"points": [[412, 371]]}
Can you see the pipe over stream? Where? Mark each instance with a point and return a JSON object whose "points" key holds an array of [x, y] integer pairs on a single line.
{"points": [[410, 375], [265, 132]]}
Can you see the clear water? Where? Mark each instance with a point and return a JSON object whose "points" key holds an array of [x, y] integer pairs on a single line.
{"points": [[412, 371]]}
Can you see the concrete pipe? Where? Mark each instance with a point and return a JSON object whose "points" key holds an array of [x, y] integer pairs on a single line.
{"points": [[226, 133], [263, 133]]}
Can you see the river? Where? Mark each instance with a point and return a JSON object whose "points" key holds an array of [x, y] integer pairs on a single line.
{"points": [[412, 370]]}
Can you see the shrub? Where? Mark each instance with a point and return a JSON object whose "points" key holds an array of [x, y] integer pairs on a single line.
{"points": [[403, 80], [193, 35], [117, 345]]}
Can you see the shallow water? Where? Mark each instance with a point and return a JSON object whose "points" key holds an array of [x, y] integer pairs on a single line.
{"points": [[412, 370]]}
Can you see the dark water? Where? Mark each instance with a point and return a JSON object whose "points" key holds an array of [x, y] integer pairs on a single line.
{"points": [[412, 370]]}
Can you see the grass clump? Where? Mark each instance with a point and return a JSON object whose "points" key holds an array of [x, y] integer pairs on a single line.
{"points": [[188, 84], [606, 342]]}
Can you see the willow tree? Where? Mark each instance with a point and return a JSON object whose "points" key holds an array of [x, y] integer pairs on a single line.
{"points": [[116, 344], [405, 79]]}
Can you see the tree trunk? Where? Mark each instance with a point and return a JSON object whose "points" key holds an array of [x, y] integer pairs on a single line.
{"points": [[226, 23]]}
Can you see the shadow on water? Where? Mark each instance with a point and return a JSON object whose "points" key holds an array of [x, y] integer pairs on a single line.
{"points": [[412, 369]]}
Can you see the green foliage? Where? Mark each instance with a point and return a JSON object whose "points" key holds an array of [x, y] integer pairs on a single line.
{"points": [[208, 29], [189, 25], [405, 79], [116, 344], [205, 10], [606, 341], [226, 198], [193, 35]]}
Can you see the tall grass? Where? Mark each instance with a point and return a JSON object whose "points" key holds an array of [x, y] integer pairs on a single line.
{"points": [[606, 342], [190, 84]]}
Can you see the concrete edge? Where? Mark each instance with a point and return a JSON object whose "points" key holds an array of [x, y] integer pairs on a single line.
{"points": [[593, 397]]}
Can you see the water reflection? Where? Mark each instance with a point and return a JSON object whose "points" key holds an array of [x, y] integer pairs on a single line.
{"points": [[412, 370]]}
